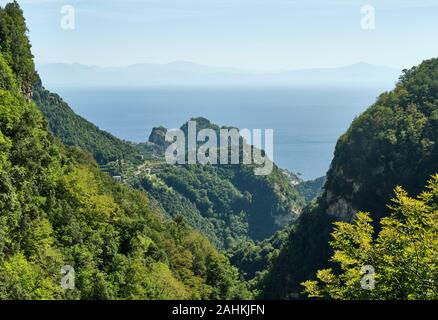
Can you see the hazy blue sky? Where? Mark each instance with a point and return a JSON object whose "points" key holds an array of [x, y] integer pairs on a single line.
{"points": [[250, 34]]}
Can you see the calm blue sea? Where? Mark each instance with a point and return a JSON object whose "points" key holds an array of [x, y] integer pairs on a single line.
{"points": [[306, 122]]}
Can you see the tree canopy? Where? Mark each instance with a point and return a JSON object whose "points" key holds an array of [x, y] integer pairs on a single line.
{"points": [[403, 256]]}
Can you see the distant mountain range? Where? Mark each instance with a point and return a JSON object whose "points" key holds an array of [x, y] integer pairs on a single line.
{"points": [[188, 73]]}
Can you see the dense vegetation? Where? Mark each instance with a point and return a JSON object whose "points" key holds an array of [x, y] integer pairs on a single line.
{"points": [[232, 202], [74, 130], [393, 143], [228, 204], [311, 189], [254, 258], [402, 260], [16, 49], [57, 208]]}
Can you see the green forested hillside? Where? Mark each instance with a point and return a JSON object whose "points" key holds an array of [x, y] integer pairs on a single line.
{"points": [[311, 189], [254, 258], [74, 130], [16, 49], [228, 204], [395, 142], [57, 208], [231, 200], [59, 205]]}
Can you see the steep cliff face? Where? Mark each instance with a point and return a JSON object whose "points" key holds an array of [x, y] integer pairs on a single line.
{"points": [[393, 143]]}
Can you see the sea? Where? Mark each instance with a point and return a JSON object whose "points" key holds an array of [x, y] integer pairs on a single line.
{"points": [[307, 122]]}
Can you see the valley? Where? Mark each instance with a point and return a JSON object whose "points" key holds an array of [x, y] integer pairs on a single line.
{"points": [[131, 226]]}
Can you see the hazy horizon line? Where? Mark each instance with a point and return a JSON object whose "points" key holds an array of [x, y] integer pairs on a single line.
{"points": [[218, 66]]}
